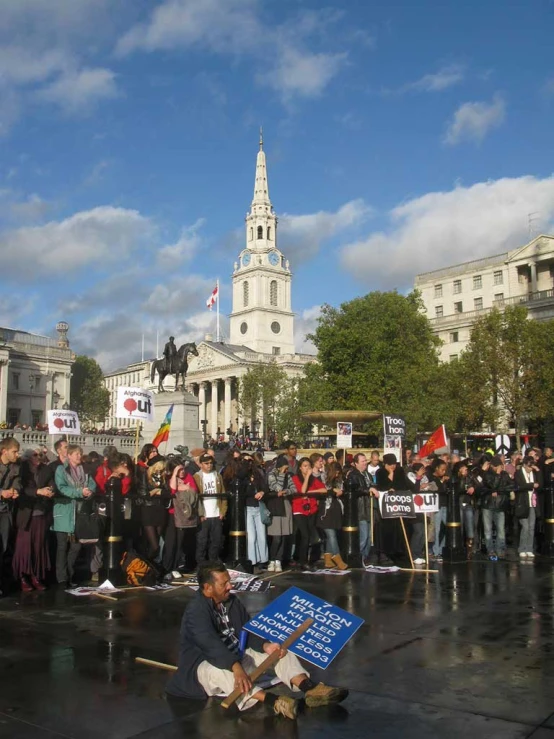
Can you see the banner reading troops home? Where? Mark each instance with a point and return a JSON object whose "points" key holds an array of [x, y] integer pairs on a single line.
{"points": [[63, 422], [320, 644], [394, 425], [135, 403], [397, 504]]}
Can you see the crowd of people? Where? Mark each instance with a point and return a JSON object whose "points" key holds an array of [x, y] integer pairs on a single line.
{"points": [[176, 509]]}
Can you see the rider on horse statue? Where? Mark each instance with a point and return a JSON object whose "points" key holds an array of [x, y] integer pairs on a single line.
{"points": [[170, 355]]}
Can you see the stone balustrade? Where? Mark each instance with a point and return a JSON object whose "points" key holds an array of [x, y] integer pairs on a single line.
{"points": [[89, 442]]}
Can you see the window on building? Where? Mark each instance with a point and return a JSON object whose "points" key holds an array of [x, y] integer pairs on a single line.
{"points": [[273, 292], [15, 380], [457, 286], [498, 297], [453, 357], [13, 416], [245, 293], [438, 291], [477, 282], [37, 417], [458, 307], [251, 233], [498, 277], [478, 304], [438, 311], [276, 350], [454, 337], [36, 383], [260, 232], [269, 232]]}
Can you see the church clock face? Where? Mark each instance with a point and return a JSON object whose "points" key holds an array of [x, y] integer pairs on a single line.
{"points": [[276, 327], [243, 327], [274, 258], [246, 260]]}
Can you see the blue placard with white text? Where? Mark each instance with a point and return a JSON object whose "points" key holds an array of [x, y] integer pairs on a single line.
{"points": [[320, 644]]}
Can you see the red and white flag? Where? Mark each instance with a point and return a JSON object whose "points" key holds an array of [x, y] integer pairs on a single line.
{"points": [[211, 301], [437, 440]]}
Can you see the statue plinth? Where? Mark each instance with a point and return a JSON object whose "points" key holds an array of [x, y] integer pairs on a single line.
{"points": [[184, 428]]}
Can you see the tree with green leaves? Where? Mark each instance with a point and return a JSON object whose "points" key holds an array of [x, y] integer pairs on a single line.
{"points": [[511, 357], [377, 352], [259, 392], [89, 398]]}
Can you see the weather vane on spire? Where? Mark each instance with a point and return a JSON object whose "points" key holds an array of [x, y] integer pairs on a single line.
{"points": [[261, 137]]}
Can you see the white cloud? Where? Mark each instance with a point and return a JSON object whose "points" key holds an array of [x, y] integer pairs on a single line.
{"points": [[78, 91], [445, 228], [473, 121], [173, 255], [301, 73], [33, 208], [98, 236], [305, 323], [437, 82], [302, 235], [236, 27], [179, 295]]}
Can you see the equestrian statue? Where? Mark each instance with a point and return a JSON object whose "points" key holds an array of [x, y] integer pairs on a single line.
{"points": [[174, 362]]}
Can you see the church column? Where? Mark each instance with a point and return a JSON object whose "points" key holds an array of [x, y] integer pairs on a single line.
{"points": [[533, 268], [202, 399], [4, 364], [215, 403], [227, 419]]}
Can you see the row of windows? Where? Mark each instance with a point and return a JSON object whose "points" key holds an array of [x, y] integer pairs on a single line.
{"points": [[497, 277], [273, 293], [459, 307], [35, 382], [131, 379], [260, 232]]}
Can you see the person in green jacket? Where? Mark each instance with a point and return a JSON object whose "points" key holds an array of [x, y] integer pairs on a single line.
{"points": [[73, 484]]}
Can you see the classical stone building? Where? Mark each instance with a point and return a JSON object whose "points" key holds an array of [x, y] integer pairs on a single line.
{"points": [[456, 296], [261, 325], [35, 374]]}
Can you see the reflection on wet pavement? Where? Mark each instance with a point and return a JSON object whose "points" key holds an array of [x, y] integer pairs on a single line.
{"points": [[466, 651]]}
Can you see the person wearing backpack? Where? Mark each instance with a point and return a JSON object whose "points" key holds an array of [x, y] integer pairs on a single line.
{"points": [[73, 485]]}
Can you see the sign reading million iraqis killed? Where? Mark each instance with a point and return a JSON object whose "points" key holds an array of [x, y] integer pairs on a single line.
{"points": [[394, 425], [320, 644]]}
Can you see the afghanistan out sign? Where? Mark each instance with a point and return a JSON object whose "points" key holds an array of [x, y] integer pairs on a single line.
{"points": [[63, 422], [426, 502], [394, 426], [344, 435], [320, 644], [135, 403], [397, 504]]}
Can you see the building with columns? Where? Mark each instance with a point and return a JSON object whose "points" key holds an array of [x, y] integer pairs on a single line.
{"points": [[455, 297], [261, 326], [35, 374]]}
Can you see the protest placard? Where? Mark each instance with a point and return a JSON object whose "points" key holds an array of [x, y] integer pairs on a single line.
{"points": [[63, 422], [397, 504], [135, 403], [331, 630], [344, 435], [426, 502]]}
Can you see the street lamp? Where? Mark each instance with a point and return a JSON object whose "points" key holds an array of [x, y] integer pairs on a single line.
{"points": [[65, 407], [204, 423], [55, 399]]}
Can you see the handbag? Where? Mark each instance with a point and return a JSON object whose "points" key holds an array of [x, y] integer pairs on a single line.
{"points": [[87, 524], [265, 514], [522, 505]]}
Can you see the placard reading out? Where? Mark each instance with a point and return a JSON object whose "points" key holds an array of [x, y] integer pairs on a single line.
{"points": [[426, 502], [63, 422], [321, 643], [135, 403]]}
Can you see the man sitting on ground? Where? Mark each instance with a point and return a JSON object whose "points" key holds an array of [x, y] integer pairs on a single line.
{"points": [[210, 660]]}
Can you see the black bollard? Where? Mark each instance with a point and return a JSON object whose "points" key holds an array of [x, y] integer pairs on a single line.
{"points": [[350, 540], [113, 534], [548, 542], [237, 557], [454, 550]]}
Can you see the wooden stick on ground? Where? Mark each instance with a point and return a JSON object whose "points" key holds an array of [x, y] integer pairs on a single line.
{"points": [[269, 661], [153, 663], [103, 595], [426, 541], [415, 569]]}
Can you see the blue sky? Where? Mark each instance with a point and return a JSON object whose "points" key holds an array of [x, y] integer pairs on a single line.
{"points": [[400, 137]]}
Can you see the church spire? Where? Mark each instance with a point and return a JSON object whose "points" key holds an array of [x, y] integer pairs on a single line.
{"points": [[261, 201]]}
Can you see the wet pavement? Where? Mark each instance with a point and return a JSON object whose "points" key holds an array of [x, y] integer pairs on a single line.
{"points": [[465, 652]]}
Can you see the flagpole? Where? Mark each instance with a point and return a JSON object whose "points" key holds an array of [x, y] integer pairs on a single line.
{"points": [[217, 319]]}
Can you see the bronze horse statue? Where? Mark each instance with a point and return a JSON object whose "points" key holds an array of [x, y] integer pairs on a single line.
{"points": [[179, 366]]}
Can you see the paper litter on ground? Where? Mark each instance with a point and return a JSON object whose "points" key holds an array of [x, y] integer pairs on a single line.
{"points": [[325, 572], [381, 570]]}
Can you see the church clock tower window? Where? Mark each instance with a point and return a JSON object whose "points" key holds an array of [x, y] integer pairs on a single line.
{"points": [[273, 293], [260, 232], [245, 293]]}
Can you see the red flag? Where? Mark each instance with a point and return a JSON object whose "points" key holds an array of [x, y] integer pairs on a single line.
{"points": [[437, 440], [213, 297]]}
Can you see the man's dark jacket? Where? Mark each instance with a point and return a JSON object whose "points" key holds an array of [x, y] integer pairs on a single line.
{"points": [[200, 641]]}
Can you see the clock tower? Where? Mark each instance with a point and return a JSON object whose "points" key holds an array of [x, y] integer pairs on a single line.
{"points": [[262, 318]]}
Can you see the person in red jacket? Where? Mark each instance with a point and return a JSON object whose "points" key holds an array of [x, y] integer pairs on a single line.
{"points": [[305, 506]]}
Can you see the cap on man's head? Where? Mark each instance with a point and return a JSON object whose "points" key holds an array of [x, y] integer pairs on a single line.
{"points": [[389, 459], [206, 458], [198, 452]]}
